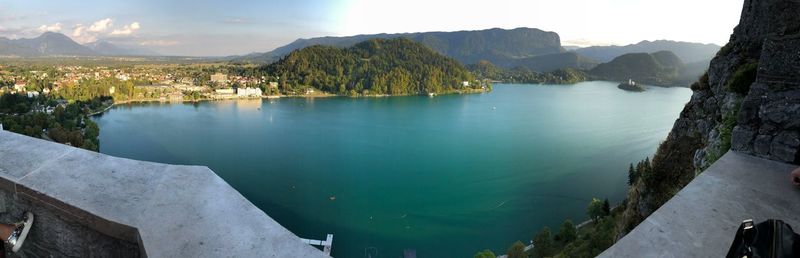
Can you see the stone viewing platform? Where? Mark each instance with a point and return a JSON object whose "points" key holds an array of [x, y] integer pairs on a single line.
{"points": [[702, 219], [89, 204]]}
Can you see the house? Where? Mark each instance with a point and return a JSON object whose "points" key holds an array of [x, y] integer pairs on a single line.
{"points": [[19, 86], [32, 94], [227, 91], [219, 78], [465, 83], [248, 92]]}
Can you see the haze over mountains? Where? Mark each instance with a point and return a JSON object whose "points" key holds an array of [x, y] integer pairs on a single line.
{"points": [[56, 44], [686, 51]]}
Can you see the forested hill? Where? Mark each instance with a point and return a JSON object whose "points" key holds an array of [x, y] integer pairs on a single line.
{"points": [[374, 67], [659, 68], [500, 46]]}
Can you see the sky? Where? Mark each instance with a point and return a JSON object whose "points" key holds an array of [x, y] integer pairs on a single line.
{"points": [[231, 27]]}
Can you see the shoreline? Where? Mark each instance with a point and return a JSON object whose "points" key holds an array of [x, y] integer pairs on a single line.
{"points": [[122, 102]]}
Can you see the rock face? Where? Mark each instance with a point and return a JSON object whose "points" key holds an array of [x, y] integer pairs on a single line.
{"points": [[758, 116], [769, 120], [768, 116]]}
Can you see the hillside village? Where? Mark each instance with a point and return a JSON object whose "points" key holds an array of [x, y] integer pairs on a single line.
{"points": [[138, 83]]}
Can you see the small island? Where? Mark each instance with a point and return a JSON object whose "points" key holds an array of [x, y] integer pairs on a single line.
{"points": [[630, 85]]}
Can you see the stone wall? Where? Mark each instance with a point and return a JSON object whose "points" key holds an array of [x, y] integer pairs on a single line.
{"points": [[89, 204], [57, 233]]}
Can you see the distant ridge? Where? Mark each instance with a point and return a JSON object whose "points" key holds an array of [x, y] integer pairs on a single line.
{"points": [[57, 44], [108, 49], [686, 51], [47, 44], [505, 48]]}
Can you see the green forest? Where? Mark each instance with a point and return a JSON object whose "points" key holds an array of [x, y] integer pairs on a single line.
{"points": [[68, 123], [374, 67], [487, 70]]}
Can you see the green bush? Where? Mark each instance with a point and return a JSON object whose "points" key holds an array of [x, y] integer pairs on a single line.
{"points": [[485, 254], [701, 83], [744, 76]]}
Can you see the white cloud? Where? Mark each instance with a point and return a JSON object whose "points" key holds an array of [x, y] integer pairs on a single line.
{"points": [[81, 34], [160, 43], [126, 30], [101, 25], [56, 27]]}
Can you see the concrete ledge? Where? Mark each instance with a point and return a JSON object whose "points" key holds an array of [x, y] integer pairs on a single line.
{"points": [[701, 220], [165, 210]]}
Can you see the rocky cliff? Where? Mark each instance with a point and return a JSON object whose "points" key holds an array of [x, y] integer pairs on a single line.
{"points": [[749, 101]]}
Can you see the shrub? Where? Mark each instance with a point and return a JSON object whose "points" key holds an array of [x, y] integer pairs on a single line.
{"points": [[543, 243], [485, 254], [517, 250], [744, 76], [568, 233], [701, 83]]}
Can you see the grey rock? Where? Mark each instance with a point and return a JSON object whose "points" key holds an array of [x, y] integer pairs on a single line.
{"points": [[785, 146], [742, 139], [761, 145]]}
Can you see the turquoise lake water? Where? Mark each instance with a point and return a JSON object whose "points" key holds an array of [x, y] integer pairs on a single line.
{"points": [[446, 176]]}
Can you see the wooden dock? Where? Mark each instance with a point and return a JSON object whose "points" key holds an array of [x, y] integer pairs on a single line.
{"points": [[327, 244]]}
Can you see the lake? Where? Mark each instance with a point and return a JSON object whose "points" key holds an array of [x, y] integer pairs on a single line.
{"points": [[446, 176]]}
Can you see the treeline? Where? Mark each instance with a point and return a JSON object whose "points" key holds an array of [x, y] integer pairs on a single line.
{"points": [[89, 89], [486, 70], [68, 123], [570, 241], [374, 67]]}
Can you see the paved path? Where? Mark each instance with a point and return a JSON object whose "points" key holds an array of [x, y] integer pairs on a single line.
{"points": [[702, 219]]}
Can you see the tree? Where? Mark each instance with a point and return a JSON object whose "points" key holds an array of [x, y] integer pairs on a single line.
{"points": [[543, 244], [631, 175], [568, 233], [595, 209], [606, 208], [517, 250], [485, 254]]}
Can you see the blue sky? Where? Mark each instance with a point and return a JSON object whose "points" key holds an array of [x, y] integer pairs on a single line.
{"points": [[209, 27]]}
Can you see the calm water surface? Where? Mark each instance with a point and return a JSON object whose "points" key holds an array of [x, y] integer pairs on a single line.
{"points": [[447, 176]]}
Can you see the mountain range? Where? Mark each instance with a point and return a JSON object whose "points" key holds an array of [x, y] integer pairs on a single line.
{"points": [[686, 51], [499, 46], [57, 44], [528, 48], [531, 48]]}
